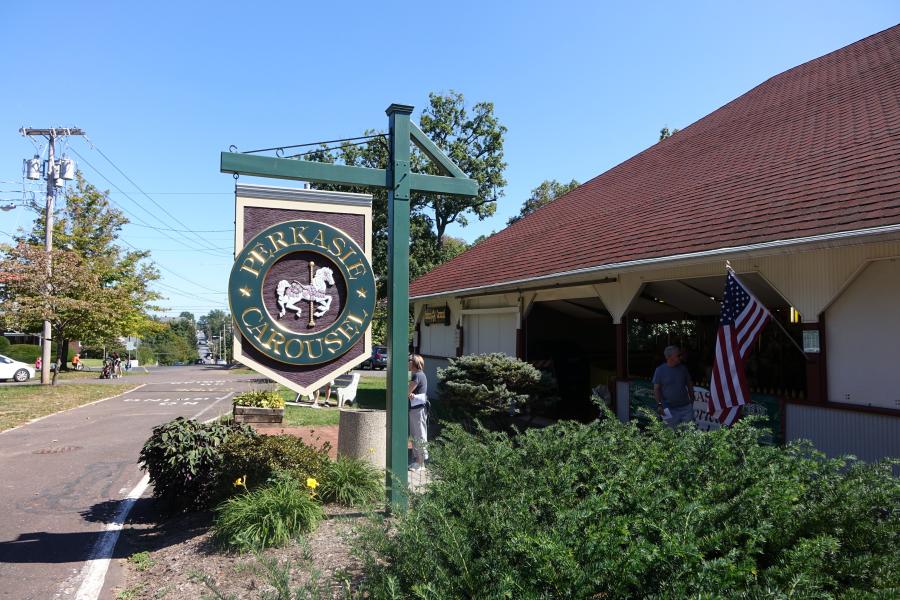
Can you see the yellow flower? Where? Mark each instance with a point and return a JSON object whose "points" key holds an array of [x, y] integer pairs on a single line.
{"points": [[241, 482], [312, 483]]}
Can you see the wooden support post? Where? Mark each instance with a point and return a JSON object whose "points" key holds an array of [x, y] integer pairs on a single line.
{"points": [[816, 365]]}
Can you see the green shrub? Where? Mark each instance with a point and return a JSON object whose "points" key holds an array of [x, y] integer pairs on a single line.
{"points": [[352, 482], [260, 399], [271, 515], [262, 457], [607, 511], [4, 346], [488, 387], [26, 353], [184, 458]]}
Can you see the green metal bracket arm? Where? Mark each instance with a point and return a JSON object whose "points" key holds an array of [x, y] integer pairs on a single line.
{"points": [[303, 170], [436, 184], [433, 152]]}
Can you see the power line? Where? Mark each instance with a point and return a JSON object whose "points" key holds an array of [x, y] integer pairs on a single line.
{"points": [[187, 230], [155, 203], [161, 230]]}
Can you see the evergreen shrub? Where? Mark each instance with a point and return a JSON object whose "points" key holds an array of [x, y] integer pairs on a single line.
{"points": [[261, 458], [183, 458], [490, 388], [4, 346], [604, 510]]}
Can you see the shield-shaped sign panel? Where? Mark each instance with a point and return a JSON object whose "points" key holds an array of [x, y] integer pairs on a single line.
{"points": [[302, 290]]}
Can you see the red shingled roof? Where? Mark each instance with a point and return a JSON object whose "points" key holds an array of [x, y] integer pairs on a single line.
{"points": [[811, 151]]}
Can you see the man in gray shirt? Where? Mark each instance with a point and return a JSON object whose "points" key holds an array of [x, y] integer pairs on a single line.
{"points": [[673, 389]]}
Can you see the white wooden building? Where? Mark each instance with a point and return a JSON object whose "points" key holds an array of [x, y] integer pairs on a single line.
{"points": [[796, 183]]}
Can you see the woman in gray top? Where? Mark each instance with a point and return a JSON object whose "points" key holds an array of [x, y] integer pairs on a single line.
{"points": [[418, 411]]}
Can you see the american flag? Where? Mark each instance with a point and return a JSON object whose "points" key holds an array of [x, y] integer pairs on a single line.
{"points": [[743, 317]]}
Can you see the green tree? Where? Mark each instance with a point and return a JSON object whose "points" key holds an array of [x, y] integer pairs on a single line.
{"points": [[90, 227], [472, 138], [70, 296], [213, 325], [548, 191], [169, 343], [665, 133]]}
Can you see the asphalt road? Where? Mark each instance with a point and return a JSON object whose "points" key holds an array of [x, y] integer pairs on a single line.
{"points": [[64, 477]]}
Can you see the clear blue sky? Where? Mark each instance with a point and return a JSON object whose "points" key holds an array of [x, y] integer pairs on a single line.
{"points": [[162, 87]]}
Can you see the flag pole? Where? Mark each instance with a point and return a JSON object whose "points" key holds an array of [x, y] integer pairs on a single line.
{"points": [[780, 326], [790, 337]]}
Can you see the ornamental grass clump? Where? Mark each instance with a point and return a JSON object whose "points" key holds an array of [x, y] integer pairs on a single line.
{"points": [[271, 515], [605, 510], [352, 482]]}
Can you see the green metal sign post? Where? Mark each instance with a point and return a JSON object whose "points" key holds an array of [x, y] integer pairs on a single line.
{"points": [[400, 182]]}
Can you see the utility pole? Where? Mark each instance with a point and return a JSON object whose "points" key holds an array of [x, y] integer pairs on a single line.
{"points": [[52, 175]]}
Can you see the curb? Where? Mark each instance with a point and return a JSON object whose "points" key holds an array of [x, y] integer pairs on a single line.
{"points": [[59, 412]]}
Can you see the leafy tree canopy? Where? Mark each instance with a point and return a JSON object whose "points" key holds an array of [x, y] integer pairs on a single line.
{"points": [[548, 191], [97, 291], [473, 138], [665, 133]]}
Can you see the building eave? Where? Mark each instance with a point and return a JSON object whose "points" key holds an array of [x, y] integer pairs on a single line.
{"points": [[838, 238]]}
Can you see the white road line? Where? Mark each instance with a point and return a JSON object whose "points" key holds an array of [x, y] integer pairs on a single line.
{"points": [[197, 416], [94, 571]]}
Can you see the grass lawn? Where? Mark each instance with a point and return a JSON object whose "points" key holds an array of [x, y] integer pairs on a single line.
{"points": [[22, 403], [369, 394]]}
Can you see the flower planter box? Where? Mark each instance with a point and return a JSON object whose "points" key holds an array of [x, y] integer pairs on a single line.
{"points": [[253, 414]]}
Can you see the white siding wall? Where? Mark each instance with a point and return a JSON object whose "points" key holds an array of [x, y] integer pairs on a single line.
{"points": [[487, 333], [863, 338], [438, 340]]}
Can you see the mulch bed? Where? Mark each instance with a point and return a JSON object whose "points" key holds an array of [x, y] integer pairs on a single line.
{"points": [[185, 563]]}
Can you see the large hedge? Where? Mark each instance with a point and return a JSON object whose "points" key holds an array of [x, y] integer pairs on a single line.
{"points": [[607, 511]]}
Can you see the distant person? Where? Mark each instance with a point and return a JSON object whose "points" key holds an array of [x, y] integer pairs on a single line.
{"points": [[674, 389], [38, 364], [76, 362], [418, 411]]}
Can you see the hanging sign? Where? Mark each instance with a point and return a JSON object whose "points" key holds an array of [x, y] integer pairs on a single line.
{"points": [[302, 290], [435, 315]]}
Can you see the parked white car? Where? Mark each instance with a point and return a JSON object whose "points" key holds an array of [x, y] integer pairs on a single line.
{"points": [[15, 370]]}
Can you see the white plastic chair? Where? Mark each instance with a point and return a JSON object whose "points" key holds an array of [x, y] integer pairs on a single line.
{"points": [[347, 394]]}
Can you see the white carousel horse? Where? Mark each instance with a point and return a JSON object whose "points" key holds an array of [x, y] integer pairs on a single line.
{"points": [[292, 292]]}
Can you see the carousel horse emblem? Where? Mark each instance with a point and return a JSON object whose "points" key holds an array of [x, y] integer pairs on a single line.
{"points": [[290, 293]]}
